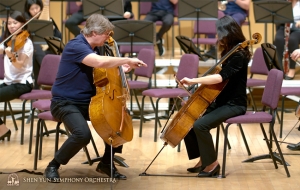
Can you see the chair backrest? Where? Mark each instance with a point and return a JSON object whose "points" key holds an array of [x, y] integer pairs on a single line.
{"points": [[144, 8], [1, 67], [148, 57], [207, 26], [48, 70], [272, 89], [72, 7], [188, 66], [258, 63]]}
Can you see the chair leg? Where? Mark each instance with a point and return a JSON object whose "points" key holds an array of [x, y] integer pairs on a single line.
{"points": [[23, 121], [37, 144], [41, 139], [280, 152], [281, 118], [12, 116], [244, 138], [268, 142], [225, 149], [142, 117], [156, 120], [31, 132]]}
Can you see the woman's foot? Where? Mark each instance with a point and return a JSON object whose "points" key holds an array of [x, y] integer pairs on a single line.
{"points": [[197, 168], [210, 170], [4, 132], [290, 75]]}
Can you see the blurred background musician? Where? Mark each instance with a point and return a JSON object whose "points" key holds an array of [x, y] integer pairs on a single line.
{"points": [[162, 10], [78, 17], [31, 8], [238, 10], [293, 39], [17, 64]]}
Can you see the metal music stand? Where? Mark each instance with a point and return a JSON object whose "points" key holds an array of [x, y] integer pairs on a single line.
{"points": [[112, 9], [273, 12], [188, 46], [197, 10], [55, 44], [39, 29], [10, 5], [134, 32], [270, 56]]}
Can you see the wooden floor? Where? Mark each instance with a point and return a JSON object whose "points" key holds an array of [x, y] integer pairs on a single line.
{"points": [[141, 150], [139, 153]]}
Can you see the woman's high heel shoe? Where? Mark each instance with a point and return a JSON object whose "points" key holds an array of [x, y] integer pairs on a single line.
{"points": [[212, 173], [195, 169], [7, 134]]}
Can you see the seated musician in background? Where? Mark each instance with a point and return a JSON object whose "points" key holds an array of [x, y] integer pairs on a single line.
{"points": [[238, 10], [232, 101], [17, 66], [77, 18], [296, 55], [74, 88], [293, 40], [32, 7], [162, 10]]}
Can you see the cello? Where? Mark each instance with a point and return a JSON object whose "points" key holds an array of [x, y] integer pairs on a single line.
{"points": [[198, 102], [108, 113]]}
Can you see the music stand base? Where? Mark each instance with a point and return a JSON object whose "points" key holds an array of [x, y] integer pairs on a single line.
{"points": [[266, 156], [117, 159]]}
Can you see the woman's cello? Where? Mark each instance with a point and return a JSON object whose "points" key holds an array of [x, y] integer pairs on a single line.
{"points": [[197, 104], [108, 112]]}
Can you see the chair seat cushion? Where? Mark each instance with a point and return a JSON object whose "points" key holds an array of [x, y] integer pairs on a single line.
{"points": [[290, 91], [42, 104], [255, 82], [138, 84], [47, 116], [36, 94], [251, 117], [165, 92]]}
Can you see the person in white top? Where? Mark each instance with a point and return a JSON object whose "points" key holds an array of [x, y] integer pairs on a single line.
{"points": [[293, 42], [17, 63]]}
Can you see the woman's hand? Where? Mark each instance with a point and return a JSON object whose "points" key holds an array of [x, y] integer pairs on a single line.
{"points": [[126, 68], [8, 51], [127, 14], [296, 54], [297, 24], [186, 81]]}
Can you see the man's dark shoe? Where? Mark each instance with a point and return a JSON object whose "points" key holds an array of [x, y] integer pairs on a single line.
{"points": [[294, 146], [160, 47], [106, 168], [51, 174]]}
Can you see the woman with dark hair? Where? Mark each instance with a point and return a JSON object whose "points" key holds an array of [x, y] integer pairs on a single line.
{"points": [[232, 100], [17, 66], [32, 7]]}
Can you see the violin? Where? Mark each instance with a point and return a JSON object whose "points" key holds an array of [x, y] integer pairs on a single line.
{"points": [[16, 43]]}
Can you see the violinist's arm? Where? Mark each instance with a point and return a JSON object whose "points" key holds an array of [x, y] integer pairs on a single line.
{"points": [[19, 60], [210, 79]]}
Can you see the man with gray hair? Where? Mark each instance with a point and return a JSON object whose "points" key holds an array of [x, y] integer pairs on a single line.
{"points": [[74, 88]]}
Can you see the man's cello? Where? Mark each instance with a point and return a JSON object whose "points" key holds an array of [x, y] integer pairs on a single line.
{"points": [[108, 112], [198, 102]]}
